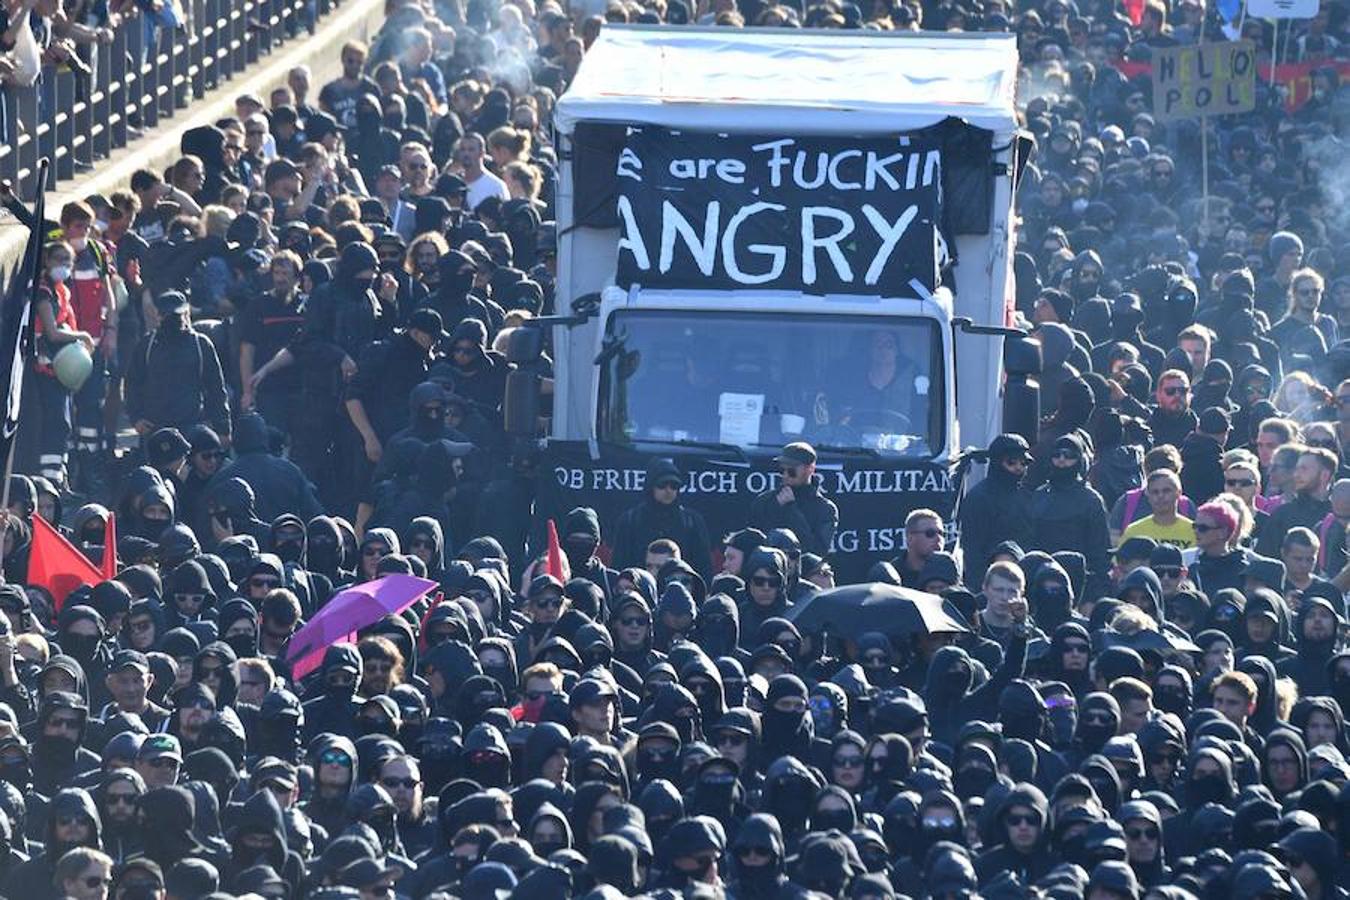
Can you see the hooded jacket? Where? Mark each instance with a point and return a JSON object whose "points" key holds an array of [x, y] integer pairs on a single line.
{"points": [[1027, 866], [752, 615], [278, 484], [1067, 514], [993, 511], [33, 879], [649, 521]]}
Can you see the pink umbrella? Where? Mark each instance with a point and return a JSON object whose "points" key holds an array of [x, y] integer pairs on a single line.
{"points": [[347, 613]]}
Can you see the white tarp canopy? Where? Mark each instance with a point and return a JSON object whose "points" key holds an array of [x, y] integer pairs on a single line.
{"points": [[831, 81]]}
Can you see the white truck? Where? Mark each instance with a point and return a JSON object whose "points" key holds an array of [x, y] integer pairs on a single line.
{"points": [[770, 235]]}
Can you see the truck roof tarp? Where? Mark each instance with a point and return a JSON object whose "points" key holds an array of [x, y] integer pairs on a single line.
{"points": [[737, 80]]}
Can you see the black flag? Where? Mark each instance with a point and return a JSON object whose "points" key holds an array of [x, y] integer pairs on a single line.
{"points": [[16, 321]]}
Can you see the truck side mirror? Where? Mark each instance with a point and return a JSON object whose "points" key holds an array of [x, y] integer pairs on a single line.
{"points": [[520, 406], [524, 344], [1021, 390]]}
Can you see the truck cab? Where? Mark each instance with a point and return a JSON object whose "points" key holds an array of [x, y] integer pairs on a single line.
{"points": [[775, 235]]}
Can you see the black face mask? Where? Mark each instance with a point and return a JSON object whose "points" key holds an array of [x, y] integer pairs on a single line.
{"points": [[1207, 789], [579, 553], [81, 646], [1093, 736], [972, 781], [243, 645], [791, 803], [502, 675], [1173, 701], [363, 284], [840, 820], [56, 746], [371, 725], [651, 766], [717, 636], [781, 728], [545, 849], [19, 774], [290, 551]]}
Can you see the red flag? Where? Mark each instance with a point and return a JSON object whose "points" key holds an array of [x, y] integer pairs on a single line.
{"points": [[55, 564], [555, 563], [109, 566]]}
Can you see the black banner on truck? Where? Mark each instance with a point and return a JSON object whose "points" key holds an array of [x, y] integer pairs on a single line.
{"points": [[873, 495], [820, 215]]}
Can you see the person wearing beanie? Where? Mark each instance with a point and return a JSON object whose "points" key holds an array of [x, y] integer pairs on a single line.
{"points": [[1284, 254], [994, 510], [1202, 455]]}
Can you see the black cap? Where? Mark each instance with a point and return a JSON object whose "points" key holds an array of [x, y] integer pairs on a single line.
{"points": [[589, 690], [449, 185], [171, 302], [166, 445], [321, 124], [1136, 548], [389, 169], [798, 453], [1165, 555], [1009, 446], [1215, 421], [428, 321], [129, 659]]}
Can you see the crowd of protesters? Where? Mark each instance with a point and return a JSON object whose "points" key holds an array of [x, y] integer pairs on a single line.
{"points": [[302, 319]]}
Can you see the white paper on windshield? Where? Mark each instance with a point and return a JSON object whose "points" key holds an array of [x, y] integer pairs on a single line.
{"points": [[739, 415]]}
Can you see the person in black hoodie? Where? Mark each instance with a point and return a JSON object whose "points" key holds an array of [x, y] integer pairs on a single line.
{"points": [[994, 510], [57, 752], [1202, 455], [170, 812], [758, 862], [662, 515], [766, 589], [1067, 514], [1023, 825], [72, 821], [581, 541], [230, 505], [259, 838], [335, 709], [278, 484], [1317, 627], [174, 378], [480, 373]]}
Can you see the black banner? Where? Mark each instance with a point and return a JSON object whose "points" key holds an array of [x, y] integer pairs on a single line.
{"points": [[873, 495], [819, 215]]}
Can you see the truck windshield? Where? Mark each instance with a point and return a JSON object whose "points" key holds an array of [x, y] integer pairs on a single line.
{"points": [[753, 378]]}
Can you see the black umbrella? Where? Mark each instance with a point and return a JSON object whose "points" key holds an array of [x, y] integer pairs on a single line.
{"points": [[855, 609]]}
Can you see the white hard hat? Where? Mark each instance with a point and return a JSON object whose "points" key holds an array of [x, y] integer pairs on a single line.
{"points": [[72, 365]]}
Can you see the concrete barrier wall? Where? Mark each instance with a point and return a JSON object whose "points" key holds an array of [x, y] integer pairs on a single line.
{"points": [[158, 149]]}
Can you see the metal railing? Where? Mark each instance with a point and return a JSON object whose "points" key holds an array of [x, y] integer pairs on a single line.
{"points": [[76, 120]]}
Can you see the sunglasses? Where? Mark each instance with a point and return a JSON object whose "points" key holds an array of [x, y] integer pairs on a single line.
{"points": [[189, 598], [335, 758], [766, 581], [1022, 819], [848, 762], [1176, 391], [930, 533], [635, 622], [668, 486], [754, 851], [269, 584], [1239, 482], [1168, 571], [731, 740], [1064, 454], [1202, 528], [549, 602], [1136, 834]]}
